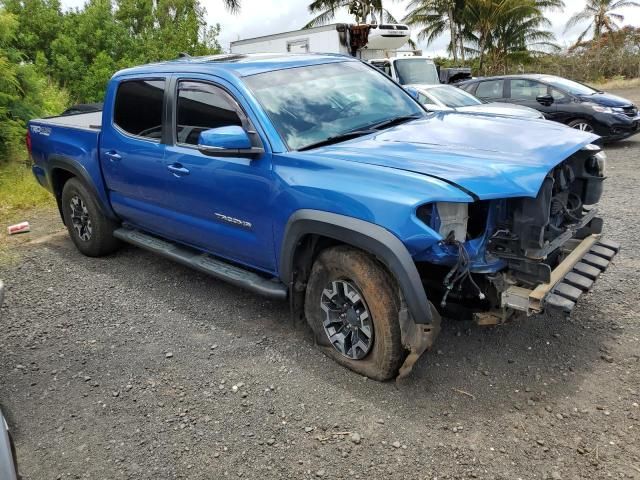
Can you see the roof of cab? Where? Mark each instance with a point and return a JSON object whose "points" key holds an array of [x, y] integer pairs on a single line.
{"points": [[241, 65]]}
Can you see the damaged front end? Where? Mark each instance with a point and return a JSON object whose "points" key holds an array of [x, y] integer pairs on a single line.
{"points": [[502, 256]]}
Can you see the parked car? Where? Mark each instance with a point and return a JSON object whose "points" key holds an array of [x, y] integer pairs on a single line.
{"points": [[315, 179], [563, 100], [453, 75], [8, 463], [446, 97]]}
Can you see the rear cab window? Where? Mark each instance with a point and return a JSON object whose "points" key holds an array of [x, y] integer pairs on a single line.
{"points": [[490, 89], [138, 108]]}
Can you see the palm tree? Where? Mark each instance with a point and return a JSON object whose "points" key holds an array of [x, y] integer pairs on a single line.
{"points": [[232, 5], [504, 26], [436, 17], [521, 34], [364, 11], [601, 17]]}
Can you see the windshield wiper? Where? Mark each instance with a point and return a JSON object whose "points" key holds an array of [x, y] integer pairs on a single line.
{"points": [[395, 121], [337, 138]]}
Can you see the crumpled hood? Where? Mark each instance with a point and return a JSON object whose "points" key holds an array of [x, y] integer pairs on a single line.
{"points": [[489, 156]]}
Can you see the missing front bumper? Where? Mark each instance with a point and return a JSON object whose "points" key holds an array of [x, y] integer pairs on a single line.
{"points": [[576, 274]]}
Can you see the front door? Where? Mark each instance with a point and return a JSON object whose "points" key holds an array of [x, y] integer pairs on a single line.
{"points": [[221, 203], [526, 92], [132, 153]]}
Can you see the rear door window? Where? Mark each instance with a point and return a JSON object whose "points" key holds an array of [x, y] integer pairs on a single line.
{"points": [[138, 108], [490, 89], [202, 106]]}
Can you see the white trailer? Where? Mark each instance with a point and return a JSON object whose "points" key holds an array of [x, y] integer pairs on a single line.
{"points": [[376, 44], [361, 41]]}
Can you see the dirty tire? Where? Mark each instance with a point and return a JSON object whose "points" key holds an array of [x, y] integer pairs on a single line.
{"points": [[377, 288], [101, 240]]}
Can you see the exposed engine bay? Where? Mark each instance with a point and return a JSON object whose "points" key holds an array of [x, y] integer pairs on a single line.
{"points": [[489, 246]]}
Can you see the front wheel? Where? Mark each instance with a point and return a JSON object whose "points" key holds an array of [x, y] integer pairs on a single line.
{"points": [[582, 125], [353, 310], [90, 230]]}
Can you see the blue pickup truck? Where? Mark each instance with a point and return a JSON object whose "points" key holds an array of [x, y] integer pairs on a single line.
{"points": [[317, 179]]}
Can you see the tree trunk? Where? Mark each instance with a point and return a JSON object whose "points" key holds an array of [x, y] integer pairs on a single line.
{"points": [[461, 42], [453, 32], [481, 45]]}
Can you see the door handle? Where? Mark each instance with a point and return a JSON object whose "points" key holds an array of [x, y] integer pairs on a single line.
{"points": [[178, 170], [113, 155]]}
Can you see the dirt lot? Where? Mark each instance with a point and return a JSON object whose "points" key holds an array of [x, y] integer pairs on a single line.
{"points": [[134, 367]]}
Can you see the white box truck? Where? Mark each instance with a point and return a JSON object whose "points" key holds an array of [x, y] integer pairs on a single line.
{"points": [[376, 44]]}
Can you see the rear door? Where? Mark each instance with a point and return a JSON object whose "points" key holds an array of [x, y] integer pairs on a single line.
{"points": [[491, 90], [132, 152], [222, 203], [524, 91]]}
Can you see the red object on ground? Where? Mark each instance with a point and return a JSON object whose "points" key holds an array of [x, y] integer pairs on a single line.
{"points": [[18, 228]]}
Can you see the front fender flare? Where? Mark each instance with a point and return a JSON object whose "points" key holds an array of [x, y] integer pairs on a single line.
{"points": [[369, 237]]}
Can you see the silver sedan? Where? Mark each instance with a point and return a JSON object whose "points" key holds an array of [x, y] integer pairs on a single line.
{"points": [[438, 98]]}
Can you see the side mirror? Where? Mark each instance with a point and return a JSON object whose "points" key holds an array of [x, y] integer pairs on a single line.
{"points": [[413, 92], [545, 100], [231, 141]]}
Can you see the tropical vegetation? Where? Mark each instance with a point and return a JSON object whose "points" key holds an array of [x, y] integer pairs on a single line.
{"points": [[601, 16], [51, 57], [363, 11]]}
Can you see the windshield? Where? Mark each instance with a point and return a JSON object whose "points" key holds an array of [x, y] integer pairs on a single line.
{"points": [[311, 104], [416, 70], [453, 97], [570, 86]]}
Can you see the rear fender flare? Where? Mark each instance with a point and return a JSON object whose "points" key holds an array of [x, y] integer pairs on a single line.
{"points": [[61, 163], [371, 238]]}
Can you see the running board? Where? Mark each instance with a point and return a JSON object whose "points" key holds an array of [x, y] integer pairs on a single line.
{"points": [[205, 263]]}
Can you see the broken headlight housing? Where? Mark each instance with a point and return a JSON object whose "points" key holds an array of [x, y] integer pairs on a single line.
{"points": [[449, 219]]}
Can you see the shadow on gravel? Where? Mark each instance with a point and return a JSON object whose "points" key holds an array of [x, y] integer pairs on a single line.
{"points": [[623, 144], [470, 370]]}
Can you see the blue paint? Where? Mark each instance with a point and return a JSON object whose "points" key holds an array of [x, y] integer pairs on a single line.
{"points": [[381, 177], [232, 137]]}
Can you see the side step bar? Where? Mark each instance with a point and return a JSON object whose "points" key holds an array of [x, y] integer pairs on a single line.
{"points": [[205, 263]]}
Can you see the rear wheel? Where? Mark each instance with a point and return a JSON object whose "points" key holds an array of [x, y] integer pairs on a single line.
{"points": [[353, 310], [90, 230], [582, 125]]}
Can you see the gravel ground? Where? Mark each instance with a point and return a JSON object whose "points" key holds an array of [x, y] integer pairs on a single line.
{"points": [[132, 367]]}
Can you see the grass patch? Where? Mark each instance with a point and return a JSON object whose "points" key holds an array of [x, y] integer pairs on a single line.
{"points": [[617, 84], [20, 191]]}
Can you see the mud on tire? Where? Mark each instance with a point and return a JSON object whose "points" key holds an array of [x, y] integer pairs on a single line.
{"points": [[386, 354], [90, 230]]}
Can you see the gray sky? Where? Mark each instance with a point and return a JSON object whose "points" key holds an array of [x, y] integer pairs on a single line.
{"points": [[264, 17]]}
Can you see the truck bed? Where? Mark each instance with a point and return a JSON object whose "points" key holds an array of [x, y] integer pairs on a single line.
{"points": [[68, 142], [84, 121]]}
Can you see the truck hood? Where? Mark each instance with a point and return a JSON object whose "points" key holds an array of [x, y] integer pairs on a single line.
{"points": [[487, 156]]}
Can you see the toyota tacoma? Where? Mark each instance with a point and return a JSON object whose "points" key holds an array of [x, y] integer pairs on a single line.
{"points": [[319, 180]]}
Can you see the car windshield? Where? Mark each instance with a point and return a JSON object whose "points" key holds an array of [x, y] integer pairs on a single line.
{"points": [[313, 104], [453, 97], [570, 86], [416, 70]]}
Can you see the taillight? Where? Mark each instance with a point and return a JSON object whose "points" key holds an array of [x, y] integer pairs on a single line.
{"points": [[27, 141]]}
